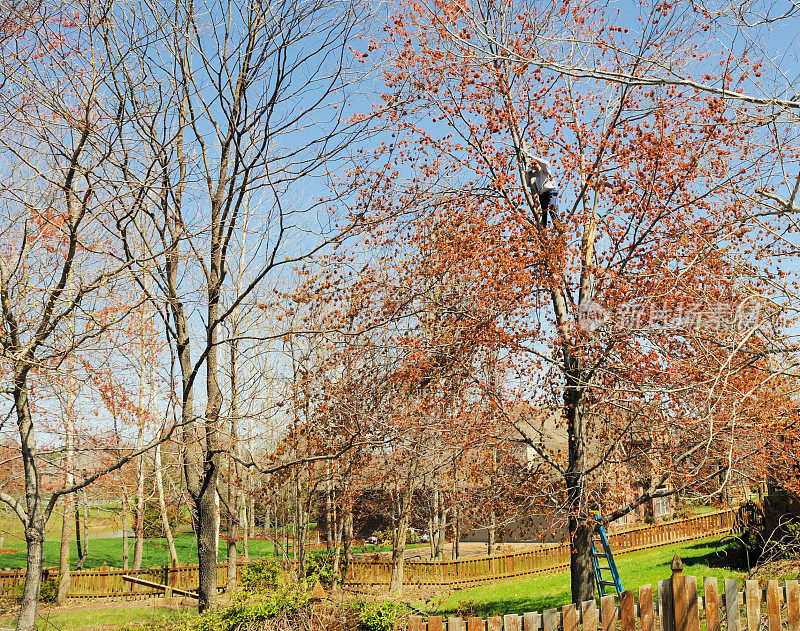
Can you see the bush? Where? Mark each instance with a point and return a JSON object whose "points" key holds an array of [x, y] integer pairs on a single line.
{"points": [[379, 615], [319, 567], [249, 611], [49, 590], [467, 609], [260, 576]]}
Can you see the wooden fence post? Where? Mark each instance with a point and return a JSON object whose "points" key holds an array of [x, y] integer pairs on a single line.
{"points": [[666, 609], [627, 611], [712, 603], [732, 603], [679, 595], [589, 615], [646, 607], [793, 605], [752, 596]]}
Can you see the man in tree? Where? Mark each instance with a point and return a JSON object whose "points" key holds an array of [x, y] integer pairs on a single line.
{"points": [[540, 179]]}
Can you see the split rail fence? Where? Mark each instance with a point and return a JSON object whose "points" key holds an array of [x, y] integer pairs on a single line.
{"points": [[108, 582], [674, 606], [463, 572]]}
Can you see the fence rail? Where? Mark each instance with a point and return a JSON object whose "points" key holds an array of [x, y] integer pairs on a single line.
{"points": [[462, 572], [673, 606], [107, 582]]}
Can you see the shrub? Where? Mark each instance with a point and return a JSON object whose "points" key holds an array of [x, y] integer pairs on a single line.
{"points": [[49, 590], [260, 576], [319, 567], [466, 609], [379, 615], [250, 612]]}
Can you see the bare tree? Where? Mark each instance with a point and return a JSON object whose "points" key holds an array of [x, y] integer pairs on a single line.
{"points": [[257, 110]]}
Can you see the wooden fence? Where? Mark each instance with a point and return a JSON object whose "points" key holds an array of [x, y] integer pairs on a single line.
{"points": [[461, 572], [107, 582], [674, 606]]}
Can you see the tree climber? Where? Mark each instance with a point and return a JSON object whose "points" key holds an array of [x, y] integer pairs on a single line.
{"points": [[540, 180]]}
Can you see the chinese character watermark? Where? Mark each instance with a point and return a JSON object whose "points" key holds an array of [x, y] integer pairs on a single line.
{"points": [[684, 316]]}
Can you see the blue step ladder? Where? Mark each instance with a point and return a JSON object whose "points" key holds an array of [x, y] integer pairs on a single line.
{"points": [[601, 551]]}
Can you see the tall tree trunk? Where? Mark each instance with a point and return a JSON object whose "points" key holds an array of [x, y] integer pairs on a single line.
{"points": [[69, 480], [491, 533], [138, 544], [440, 535], [33, 517], [399, 550], [456, 532], [162, 507], [245, 520], [34, 539], [348, 535], [78, 539], [85, 504], [581, 525], [329, 516], [124, 514], [138, 512]]}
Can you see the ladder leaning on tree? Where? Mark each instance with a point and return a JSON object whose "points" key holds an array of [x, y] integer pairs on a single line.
{"points": [[602, 551]]}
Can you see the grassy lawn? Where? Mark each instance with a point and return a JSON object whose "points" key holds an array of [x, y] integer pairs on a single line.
{"points": [[133, 617], [101, 519], [700, 558], [109, 551]]}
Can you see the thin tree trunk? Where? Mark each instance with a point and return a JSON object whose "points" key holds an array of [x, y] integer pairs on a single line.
{"points": [[491, 530], [77, 505], [138, 529], [456, 532], [162, 507], [440, 535], [66, 524], [85, 504], [124, 526], [329, 516], [348, 535]]}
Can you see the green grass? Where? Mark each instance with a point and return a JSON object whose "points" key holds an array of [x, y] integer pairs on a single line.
{"points": [[123, 617], [700, 558], [155, 553], [109, 551], [102, 518]]}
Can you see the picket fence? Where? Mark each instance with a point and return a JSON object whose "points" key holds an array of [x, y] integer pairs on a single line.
{"points": [[463, 572], [676, 605]]}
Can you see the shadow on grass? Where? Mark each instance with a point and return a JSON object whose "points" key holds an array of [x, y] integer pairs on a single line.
{"points": [[726, 553]]}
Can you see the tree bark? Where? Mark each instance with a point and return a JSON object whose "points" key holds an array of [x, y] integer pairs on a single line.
{"points": [[348, 535], [162, 507], [581, 525], [124, 514], [34, 538], [399, 537], [34, 521], [491, 531], [66, 524], [138, 512]]}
